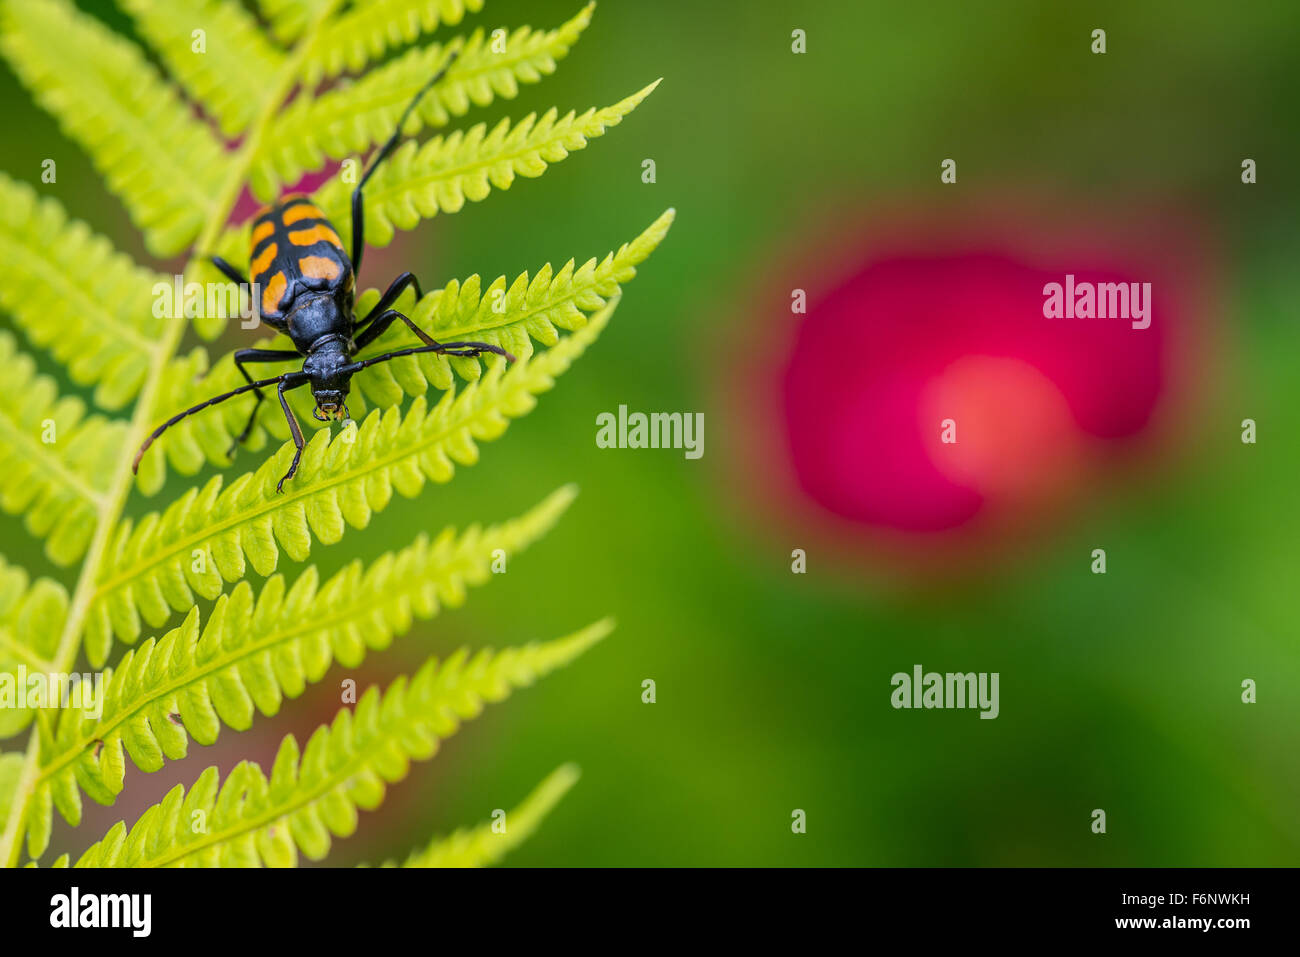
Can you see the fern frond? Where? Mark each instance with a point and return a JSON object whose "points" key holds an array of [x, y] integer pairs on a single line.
{"points": [[511, 316], [288, 18], [352, 119], [482, 846], [32, 615], [163, 163], [58, 460], [230, 77], [208, 534], [369, 30], [252, 653], [71, 292], [346, 766], [501, 315], [420, 181]]}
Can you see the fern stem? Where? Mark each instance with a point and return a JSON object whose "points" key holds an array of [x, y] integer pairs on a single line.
{"points": [[114, 500]]}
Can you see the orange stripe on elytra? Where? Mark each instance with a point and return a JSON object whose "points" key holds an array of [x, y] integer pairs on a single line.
{"points": [[272, 292], [318, 267], [261, 231], [320, 233], [262, 262], [302, 211]]}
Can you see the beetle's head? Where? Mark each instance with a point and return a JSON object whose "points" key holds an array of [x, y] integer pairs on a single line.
{"points": [[331, 379]]}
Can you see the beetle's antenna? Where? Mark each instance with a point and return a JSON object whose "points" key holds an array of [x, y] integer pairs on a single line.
{"points": [[391, 144], [358, 202], [203, 405], [446, 348]]}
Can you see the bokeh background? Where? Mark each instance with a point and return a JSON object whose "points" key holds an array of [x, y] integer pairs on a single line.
{"points": [[1119, 692]]}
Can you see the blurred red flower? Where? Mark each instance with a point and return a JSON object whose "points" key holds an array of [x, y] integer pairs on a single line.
{"points": [[923, 329]]}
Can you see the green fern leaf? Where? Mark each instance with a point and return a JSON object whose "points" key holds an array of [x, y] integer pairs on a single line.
{"points": [[32, 615], [252, 653], [58, 459], [482, 845], [420, 181], [208, 534], [352, 119], [369, 30], [501, 315], [164, 164], [289, 18], [230, 75], [96, 318], [346, 766], [511, 316]]}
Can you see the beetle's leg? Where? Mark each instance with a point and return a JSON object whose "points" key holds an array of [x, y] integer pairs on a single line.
{"points": [[386, 319], [229, 271], [358, 202], [255, 355], [446, 349], [285, 385], [390, 296]]}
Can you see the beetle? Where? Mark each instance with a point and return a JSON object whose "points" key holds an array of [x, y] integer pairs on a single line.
{"points": [[307, 283]]}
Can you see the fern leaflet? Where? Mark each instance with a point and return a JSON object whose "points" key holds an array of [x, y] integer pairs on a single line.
{"points": [[483, 845], [420, 181], [289, 18], [346, 766], [228, 73], [352, 119], [31, 617], [96, 319], [58, 458], [369, 30], [164, 164], [511, 316]]}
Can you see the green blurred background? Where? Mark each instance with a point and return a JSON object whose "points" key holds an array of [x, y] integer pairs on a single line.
{"points": [[1119, 692]]}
